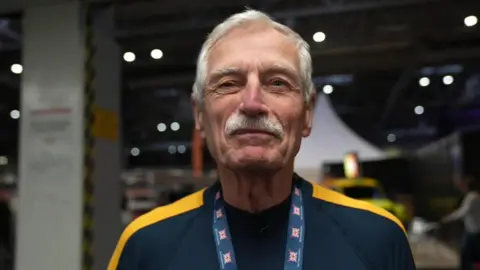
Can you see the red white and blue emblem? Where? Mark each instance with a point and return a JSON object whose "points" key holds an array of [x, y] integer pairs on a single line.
{"points": [[293, 256], [222, 234], [296, 232], [227, 258], [296, 210], [219, 213]]}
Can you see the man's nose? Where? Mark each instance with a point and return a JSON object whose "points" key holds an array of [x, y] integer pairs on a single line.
{"points": [[252, 99]]}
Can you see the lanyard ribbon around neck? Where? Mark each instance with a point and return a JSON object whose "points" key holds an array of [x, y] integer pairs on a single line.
{"points": [[295, 234]]}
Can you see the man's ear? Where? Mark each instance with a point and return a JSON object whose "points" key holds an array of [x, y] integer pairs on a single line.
{"points": [[309, 113], [198, 117]]}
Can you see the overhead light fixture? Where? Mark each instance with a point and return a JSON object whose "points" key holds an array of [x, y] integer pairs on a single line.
{"points": [[470, 21], [129, 57], [181, 149], [161, 127], [135, 151], [15, 114], [448, 79], [172, 149], [424, 82], [156, 54], [3, 160], [175, 126], [391, 137], [16, 69], [419, 110], [319, 37], [327, 89]]}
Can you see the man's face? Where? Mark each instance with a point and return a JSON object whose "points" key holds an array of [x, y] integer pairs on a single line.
{"points": [[254, 114]]}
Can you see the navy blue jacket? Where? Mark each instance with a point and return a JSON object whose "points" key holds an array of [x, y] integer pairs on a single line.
{"points": [[341, 234]]}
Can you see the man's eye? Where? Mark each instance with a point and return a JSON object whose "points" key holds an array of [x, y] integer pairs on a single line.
{"points": [[278, 83], [227, 87], [227, 84]]}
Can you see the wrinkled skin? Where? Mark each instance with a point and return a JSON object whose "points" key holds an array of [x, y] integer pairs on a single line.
{"points": [[254, 71]]}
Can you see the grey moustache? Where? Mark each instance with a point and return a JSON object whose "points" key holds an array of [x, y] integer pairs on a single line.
{"points": [[239, 122]]}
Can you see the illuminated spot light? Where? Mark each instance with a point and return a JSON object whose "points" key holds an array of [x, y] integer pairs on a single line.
{"points": [[470, 21], [161, 127], [3, 160], [448, 80], [16, 69], [135, 152], [319, 37], [419, 110], [424, 82], [391, 137], [175, 126], [15, 114], [351, 165], [129, 57], [172, 149], [327, 89], [181, 149], [156, 54]]}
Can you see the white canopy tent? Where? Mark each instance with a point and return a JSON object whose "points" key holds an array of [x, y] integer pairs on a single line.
{"points": [[330, 140]]}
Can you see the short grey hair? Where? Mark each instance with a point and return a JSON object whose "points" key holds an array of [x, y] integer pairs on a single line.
{"points": [[249, 17]]}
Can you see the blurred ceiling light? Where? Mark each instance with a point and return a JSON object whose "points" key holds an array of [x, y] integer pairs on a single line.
{"points": [[16, 68], [161, 127], [419, 110], [156, 54], [175, 126], [172, 149], [135, 151], [129, 57], [15, 114], [391, 137], [448, 79], [470, 21], [319, 37], [424, 82], [327, 89], [3, 160], [181, 149]]}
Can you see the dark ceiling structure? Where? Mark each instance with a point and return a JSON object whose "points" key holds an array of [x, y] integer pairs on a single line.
{"points": [[373, 56]]}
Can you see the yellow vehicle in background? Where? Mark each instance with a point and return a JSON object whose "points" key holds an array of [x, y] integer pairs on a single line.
{"points": [[370, 190]]}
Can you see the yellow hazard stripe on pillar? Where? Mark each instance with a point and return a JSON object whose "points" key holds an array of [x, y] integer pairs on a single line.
{"points": [[89, 147], [106, 124]]}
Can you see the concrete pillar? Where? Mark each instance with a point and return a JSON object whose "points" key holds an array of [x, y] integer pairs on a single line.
{"points": [[56, 229]]}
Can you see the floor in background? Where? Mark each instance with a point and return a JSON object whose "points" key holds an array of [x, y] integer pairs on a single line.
{"points": [[432, 254]]}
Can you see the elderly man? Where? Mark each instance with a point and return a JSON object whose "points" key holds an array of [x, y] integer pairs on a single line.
{"points": [[253, 100]]}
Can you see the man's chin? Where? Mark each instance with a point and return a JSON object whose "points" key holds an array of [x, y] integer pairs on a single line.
{"points": [[255, 158], [259, 166]]}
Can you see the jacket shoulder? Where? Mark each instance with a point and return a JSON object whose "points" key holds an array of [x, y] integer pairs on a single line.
{"points": [[355, 207], [378, 237], [161, 221]]}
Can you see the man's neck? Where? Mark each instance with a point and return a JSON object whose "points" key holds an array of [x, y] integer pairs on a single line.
{"points": [[255, 192]]}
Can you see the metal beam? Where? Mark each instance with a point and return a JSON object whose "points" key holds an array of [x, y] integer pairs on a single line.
{"points": [[144, 10], [10, 81], [16, 6], [10, 47], [334, 64], [336, 9], [397, 91], [197, 23]]}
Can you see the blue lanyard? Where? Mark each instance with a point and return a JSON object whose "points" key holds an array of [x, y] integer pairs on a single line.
{"points": [[295, 235]]}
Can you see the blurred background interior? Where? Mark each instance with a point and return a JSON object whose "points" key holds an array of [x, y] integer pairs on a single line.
{"points": [[399, 99]]}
